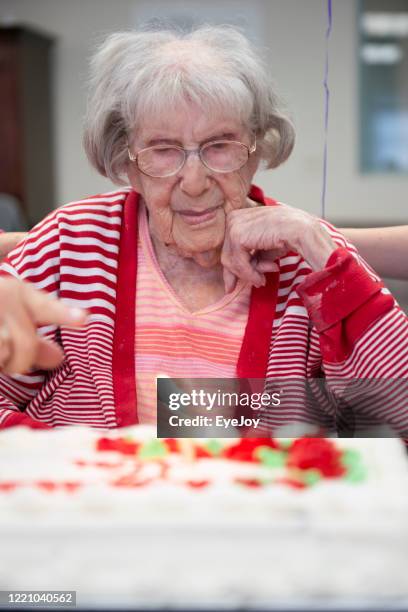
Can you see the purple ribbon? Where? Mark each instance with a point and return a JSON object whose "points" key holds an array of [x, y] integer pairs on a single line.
{"points": [[326, 107]]}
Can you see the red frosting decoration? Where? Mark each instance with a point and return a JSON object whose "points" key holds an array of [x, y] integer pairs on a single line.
{"points": [[46, 485], [253, 483], [316, 453], [244, 449], [202, 453], [119, 445], [6, 487], [131, 481], [291, 482], [172, 445], [71, 486], [198, 484]]}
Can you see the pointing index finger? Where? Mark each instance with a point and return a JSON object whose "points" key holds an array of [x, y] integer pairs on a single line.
{"points": [[46, 310]]}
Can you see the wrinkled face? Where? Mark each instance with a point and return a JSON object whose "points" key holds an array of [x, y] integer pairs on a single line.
{"points": [[188, 210]]}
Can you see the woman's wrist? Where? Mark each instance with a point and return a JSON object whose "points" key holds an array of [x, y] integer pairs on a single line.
{"points": [[316, 246]]}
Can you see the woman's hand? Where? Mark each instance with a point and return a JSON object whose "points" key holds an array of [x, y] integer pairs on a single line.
{"points": [[22, 310], [255, 237]]}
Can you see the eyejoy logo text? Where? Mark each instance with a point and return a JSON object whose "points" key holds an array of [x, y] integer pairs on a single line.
{"points": [[221, 399]]}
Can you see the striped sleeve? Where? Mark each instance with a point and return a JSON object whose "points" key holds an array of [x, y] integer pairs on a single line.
{"points": [[73, 256], [363, 337]]}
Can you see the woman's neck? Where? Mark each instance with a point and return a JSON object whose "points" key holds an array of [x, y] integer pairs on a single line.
{"points": [[197, 286]]}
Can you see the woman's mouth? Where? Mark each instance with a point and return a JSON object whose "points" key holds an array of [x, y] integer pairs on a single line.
{"points": [[195, 217]]}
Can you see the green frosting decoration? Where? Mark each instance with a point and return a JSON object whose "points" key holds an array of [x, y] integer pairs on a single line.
{"points": [[285, 443], [352, 461], [214, 446], [153, 449], [357, 473], [311, 477], [350, 457], [270, 457]]}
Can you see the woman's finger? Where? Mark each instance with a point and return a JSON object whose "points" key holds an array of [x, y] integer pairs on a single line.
{"points": [[233, 265], [266, 260], [238, 260], [267, 266], [230, 280]]}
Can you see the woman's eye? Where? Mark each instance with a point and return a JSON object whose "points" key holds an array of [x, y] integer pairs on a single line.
{"points": [[219, 146], [167, 151]]}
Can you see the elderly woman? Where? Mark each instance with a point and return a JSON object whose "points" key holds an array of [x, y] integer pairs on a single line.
{"points": [[189, 270]]}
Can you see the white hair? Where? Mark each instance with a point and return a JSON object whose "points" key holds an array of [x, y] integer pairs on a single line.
{"points": [[151, 71]]}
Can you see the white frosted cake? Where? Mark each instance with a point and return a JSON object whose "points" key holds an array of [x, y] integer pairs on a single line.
{"points": [[126, 519]]}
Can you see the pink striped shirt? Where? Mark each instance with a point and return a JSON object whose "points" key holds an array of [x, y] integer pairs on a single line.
{"points": [[201, 344]]}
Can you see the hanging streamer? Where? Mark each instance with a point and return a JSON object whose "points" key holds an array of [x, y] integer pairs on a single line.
{"points": [[326, 107]]}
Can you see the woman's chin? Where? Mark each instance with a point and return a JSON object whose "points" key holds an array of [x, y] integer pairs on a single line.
{"points": [[206, 258], [199, 242]]}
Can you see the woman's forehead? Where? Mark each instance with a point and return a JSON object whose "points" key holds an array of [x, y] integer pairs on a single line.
{"points": [[191, 124]]}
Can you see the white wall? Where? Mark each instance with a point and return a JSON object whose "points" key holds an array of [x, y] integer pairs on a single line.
{"points": [[294, 31]]}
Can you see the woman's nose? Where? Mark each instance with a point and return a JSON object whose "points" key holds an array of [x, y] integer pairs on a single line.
{"points": [[194, 175]]}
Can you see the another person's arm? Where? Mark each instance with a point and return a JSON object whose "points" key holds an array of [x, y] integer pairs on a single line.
{"points": [[385, 248], [22, 309], [9, 240]]}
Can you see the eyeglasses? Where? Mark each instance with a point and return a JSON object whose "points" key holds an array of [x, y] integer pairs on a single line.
{"points": [[164, 160]]}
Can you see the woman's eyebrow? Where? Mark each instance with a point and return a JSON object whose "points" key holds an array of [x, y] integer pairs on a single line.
{"points": [[221, 136], [174, 141], [158, 141]]}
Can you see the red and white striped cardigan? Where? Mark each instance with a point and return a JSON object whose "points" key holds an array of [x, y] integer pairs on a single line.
{"points": [[340, 321]]}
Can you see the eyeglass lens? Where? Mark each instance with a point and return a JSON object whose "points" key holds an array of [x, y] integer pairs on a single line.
{"points": [[221, 156]]}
